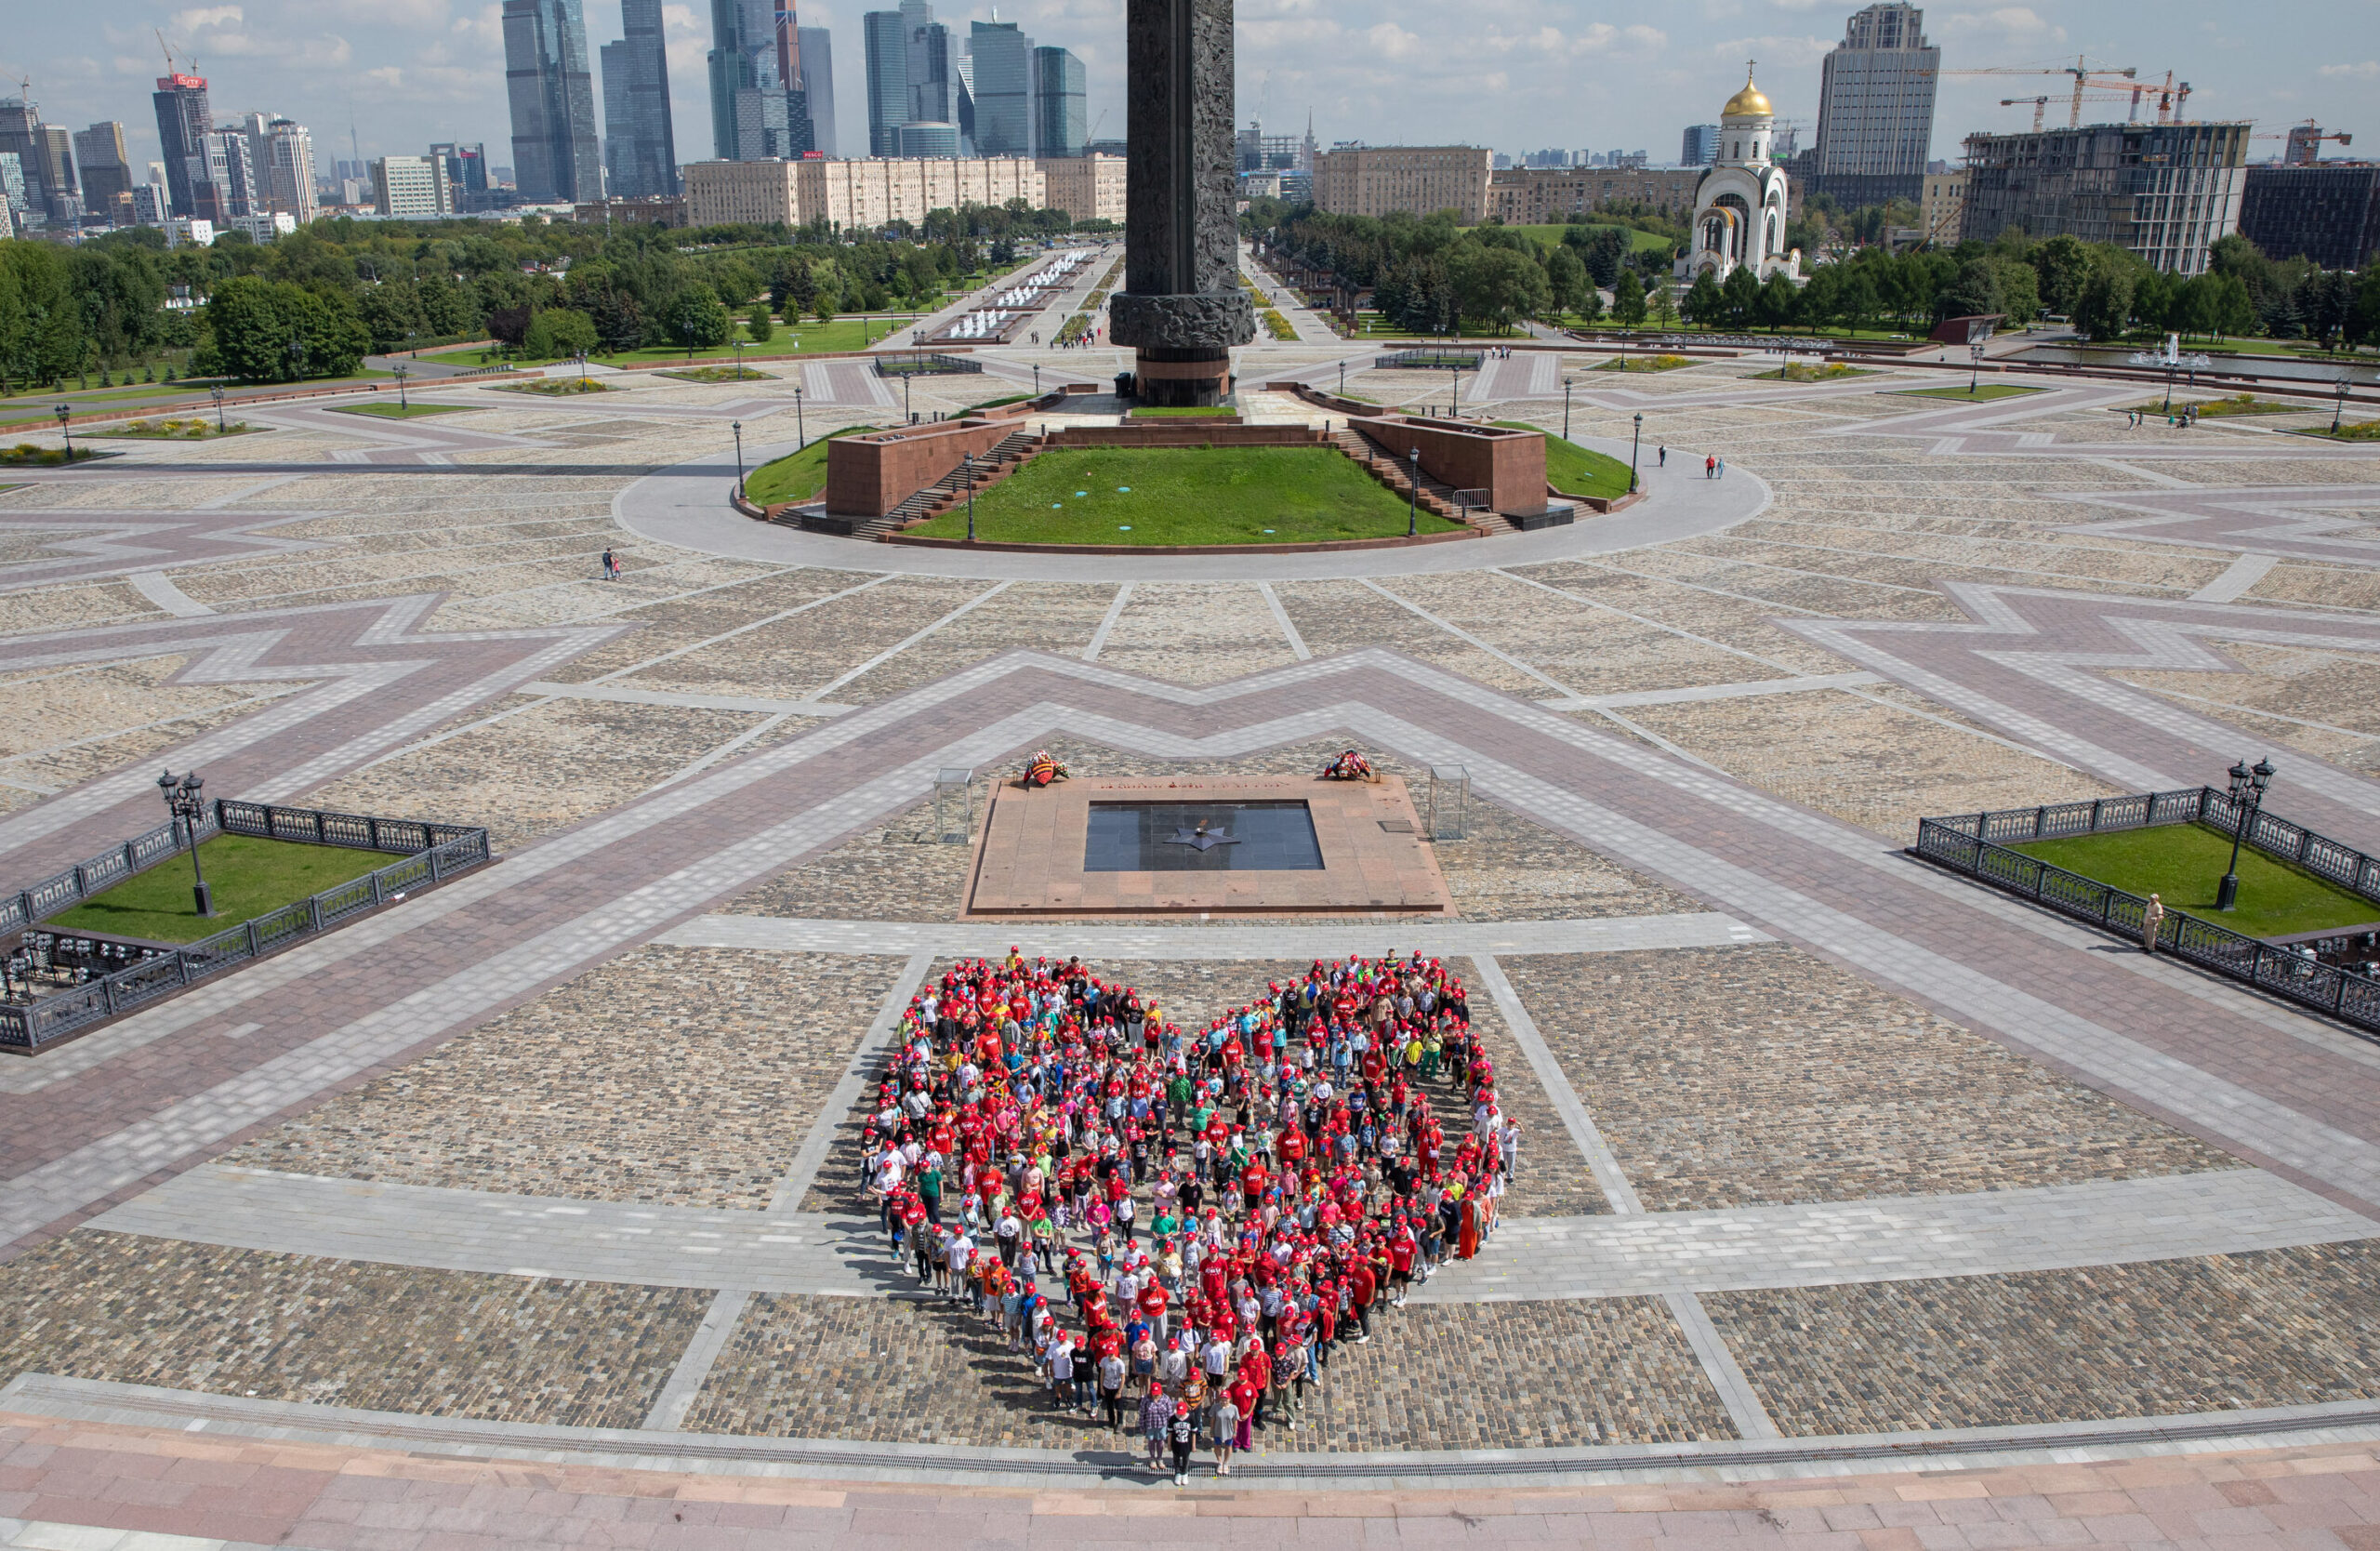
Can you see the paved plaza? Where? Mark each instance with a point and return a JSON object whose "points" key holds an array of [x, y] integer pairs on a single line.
{"points": [[1857, 1209]]}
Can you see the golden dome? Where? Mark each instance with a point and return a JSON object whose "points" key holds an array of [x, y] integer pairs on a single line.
{"points": [[1748, 100]]}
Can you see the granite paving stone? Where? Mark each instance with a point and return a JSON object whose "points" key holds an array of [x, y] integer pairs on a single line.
{"points": [[2270, 1328], [106, 1305], [685, 1077], [1730, 1076]]}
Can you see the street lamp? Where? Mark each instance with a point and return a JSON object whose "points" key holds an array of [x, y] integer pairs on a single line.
{"points": [[970, 498], [1037, 379], [183, 802], [801, 437], [403, 372], [737, 426], [66, 413], [1454, 392], [1413, 496], [1974, 372], [580, 356], [1343, 379], [2247, 800], [2339, 408], [218, 394], [1634, 441], [905, 410], [1566, 386]]}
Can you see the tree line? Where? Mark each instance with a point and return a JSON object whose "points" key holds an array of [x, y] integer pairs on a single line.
{"points": [[1428, 274], [314, 302]]}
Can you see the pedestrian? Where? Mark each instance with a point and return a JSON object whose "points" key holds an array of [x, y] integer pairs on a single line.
{"points": [[1181, 1432], [611, 565], [1156, 1414], [1709, 464], [1722, 468], [2151, 919], [1664, 455], [1226, 1431]]}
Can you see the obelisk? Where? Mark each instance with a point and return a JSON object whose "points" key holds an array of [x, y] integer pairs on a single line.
{"points": [[1182, 307]]}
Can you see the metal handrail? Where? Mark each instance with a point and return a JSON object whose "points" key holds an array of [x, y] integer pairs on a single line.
{"points": [[2351, 997], [452, 849]]}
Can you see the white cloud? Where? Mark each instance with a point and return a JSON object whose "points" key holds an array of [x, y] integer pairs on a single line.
{"points": [[2015, 24], [207, 15], [2366, 70]]}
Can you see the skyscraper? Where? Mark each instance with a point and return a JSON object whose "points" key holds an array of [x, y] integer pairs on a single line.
{"points": [[554, 144], [932, 65], [466, 171], [1003, 57], [1700, 147], [233, 171], [738, 59], [46, 152], [182, 123], [1060, 123], [640, 147], [817, 83], [887, 81], [106, 172], [1876, 107]]}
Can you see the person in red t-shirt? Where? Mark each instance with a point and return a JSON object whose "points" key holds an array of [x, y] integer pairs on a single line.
{"points": [[1153, 1307], [1364, 1287], [1256, 1372], [1401, 1251]]}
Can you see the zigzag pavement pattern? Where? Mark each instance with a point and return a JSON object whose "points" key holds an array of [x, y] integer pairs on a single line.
{"points": [[328, 1014], [377, 679], [2317, 522]]}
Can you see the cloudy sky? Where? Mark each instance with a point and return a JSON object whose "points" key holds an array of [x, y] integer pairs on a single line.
{"points": [[1515, 75]]}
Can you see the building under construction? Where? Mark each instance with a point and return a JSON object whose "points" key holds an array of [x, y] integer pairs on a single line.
{"points": [[2164, 191]]}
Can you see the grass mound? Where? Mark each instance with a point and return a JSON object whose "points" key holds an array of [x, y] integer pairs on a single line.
{"points": [[247, 877], [2183, 864], [796, 476], [1644, 364], [1802, 371], [1977, 394], [400, 411], [1184, 496], [1577, 470]]}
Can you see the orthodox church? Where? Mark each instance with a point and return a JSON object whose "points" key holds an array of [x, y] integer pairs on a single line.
{"points": [[1739, 205]]}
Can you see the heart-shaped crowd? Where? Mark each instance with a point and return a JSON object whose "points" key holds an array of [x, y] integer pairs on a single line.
{"points": [[1178, 1228]]}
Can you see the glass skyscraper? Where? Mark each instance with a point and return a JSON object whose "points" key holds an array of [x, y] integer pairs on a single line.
{"points": [[1003, 57], [640, 147], [1060, 125], [554, 143], [1876, 108]]}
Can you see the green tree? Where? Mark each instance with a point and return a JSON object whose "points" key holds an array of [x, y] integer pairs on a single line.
{"points": [[41, 327], [275, 331], [558, 332], [2363, 321], [2062, 267], [1739, 296], [1628, 300], [1565, 280], [1779, 300], [758, 325], [2104, 311], [698, 320], [1704, 303]]}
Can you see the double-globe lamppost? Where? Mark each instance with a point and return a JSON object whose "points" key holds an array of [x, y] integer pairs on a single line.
{"points": [[2247, 800], [185, 804]]}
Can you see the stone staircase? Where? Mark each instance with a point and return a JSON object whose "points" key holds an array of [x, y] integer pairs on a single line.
{"points": [[1393, 470], [944, 493]]}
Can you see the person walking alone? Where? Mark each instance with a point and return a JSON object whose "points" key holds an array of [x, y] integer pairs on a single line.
{"points": [[2150, 920]]}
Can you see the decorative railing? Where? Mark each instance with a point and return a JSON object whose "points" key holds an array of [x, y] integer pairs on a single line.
{"points": [[929, 365], [1428, 360], [434, 851], [1969, 843]]}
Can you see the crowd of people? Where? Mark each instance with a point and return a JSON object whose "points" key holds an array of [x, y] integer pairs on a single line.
{"points": [[1179, 1229]]}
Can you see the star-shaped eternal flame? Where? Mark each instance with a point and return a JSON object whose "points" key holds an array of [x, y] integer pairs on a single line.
{"points": [[1203, 838]]}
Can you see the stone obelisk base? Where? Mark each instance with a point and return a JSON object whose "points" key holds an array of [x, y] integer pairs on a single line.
{"points": [[1183, 342]]}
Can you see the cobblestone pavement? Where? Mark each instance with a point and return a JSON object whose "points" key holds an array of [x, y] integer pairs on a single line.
{"points": [[2276, 1327], [1983, 617], [685, 1077], [1727, 1076], [105, 1306], [1491, 1376]]}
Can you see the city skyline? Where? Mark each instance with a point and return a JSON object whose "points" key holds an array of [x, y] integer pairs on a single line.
{"points": [[442, 72]]}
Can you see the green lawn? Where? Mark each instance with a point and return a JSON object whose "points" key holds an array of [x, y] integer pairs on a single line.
{"points": [[1576, 470], [1182, 412], [796, 476], [728, 373], [2221, 409], [557, 387], [1644, 242], [1966, 395], [247, 877], [1184, 496], [402, 411], [806, 338], [2351, 430], [2183, 863], [195, 428], [1646, 363]]}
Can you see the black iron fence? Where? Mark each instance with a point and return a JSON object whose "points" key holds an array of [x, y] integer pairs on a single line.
{"points": [[1428, 360], [1969, 843], [431, 853], [917, 364]]}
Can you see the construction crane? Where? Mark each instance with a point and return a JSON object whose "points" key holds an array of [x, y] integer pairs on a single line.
{"points": [[2304, 142], [2042, 102], [2085, 78]]}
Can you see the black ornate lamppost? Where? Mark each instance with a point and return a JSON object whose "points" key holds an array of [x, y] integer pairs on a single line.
{"points": [[970, 498], [800, 436], [183, 802], [1635, 440], [400, 369], [1413, 496], [2340, 407], [217, 392], [737, 426], [2247, 800]]}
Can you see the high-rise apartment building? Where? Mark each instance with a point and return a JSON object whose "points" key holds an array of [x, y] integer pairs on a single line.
{"points": [[1876, 107], [182, 124], [887, 81], [233, 172], [817, 86], [1061, 122], [15, 197], [281, 152], [855, 195], [640, 146], [106, 172], [1003, 89], [467, 172], [46, 156], [413, 188], [555, 150], [2164, 191], [1700, 147]]}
